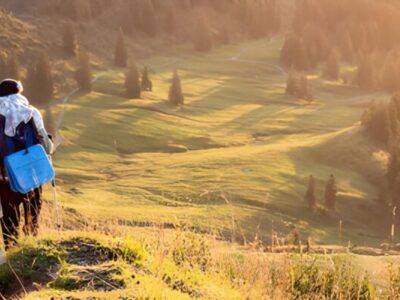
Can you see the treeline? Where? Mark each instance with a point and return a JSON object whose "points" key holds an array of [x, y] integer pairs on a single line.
{"points": [[361, 32], [255, 18], [382, 122]]}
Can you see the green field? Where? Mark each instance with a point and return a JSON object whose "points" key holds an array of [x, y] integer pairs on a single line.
{"points": [[235, 159]]}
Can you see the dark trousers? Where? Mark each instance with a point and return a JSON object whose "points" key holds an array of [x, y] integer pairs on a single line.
{"points": [[11, 203]]}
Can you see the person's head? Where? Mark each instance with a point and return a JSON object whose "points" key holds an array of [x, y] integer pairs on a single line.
{"points": [[10, 87]]}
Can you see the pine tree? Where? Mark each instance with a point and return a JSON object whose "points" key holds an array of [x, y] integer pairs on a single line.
{"points": [[294, 53], [303, 91], [391, 73], [288, 51], [83, 74], [70, 41], [331, 69], [146, 83], [310, 194], [292, 84], [49, 122], [301, 60], [132, 82], [175, 92], [346, 45], [202, 40], [30, 83], [365, 74], [3, 67], [170, 21], [393, 167], [394, 123], [395, 192], [44, 79], [149, 21], [121, 54], [224, 36], [330, 193], [12, 68]]}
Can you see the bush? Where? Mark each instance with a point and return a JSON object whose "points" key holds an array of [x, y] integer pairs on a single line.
{"points": [[191, 250], [310, 278]]}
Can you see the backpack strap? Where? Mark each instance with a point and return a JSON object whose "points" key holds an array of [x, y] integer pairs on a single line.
{"points": [[3, 146]]}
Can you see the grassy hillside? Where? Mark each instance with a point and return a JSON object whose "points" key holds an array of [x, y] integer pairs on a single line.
{"points": [[169, 264], [234, 160]]}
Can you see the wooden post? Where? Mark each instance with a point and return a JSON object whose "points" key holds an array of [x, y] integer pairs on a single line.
{"points": [[340, 232]]}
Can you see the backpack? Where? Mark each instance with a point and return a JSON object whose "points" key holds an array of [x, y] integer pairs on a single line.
{"points": [[23, 159]]}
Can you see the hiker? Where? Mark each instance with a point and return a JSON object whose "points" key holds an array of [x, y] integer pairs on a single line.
{"points": [[17, 116]]}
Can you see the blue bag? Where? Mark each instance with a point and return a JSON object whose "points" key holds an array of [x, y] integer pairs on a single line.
{"points": [[28, 169], [23, 159]]}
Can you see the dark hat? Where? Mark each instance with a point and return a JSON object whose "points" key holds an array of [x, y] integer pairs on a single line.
{"points": [[10, 87]]}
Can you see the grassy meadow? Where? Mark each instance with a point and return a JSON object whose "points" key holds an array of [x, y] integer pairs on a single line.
{"points": [[234, 160], [153, 195]]}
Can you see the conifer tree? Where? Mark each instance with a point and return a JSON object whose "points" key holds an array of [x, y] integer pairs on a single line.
{"points": [[301, 60], [294, 53], [393, 170], [303, 89], [346, 46], [132, 82], [291, 83], [310, 194], [12, 68], [146, 83], [83, 74], [288, 51], [3, 67], [70, 41], [43, 79], [224, 36], [391, 74], [202, 40], [30, 83], [395, 192], [175, 96], [330, 193], [365, 75], [331, 70], [149, 21], [170, 21], [121, 54], [49, 121]]}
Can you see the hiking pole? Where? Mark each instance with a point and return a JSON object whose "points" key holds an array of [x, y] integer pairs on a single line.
{"points": [[53, 185], [56, 203]]}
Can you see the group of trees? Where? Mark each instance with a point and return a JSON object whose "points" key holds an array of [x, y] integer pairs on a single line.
{"points": [[382, 122], [330, 193], [206, 22], [361, 32], [179, 19], [135, 85], [39, 85]]}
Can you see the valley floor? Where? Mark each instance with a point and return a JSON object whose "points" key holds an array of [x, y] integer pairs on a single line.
{"points": [[233, 161]]}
